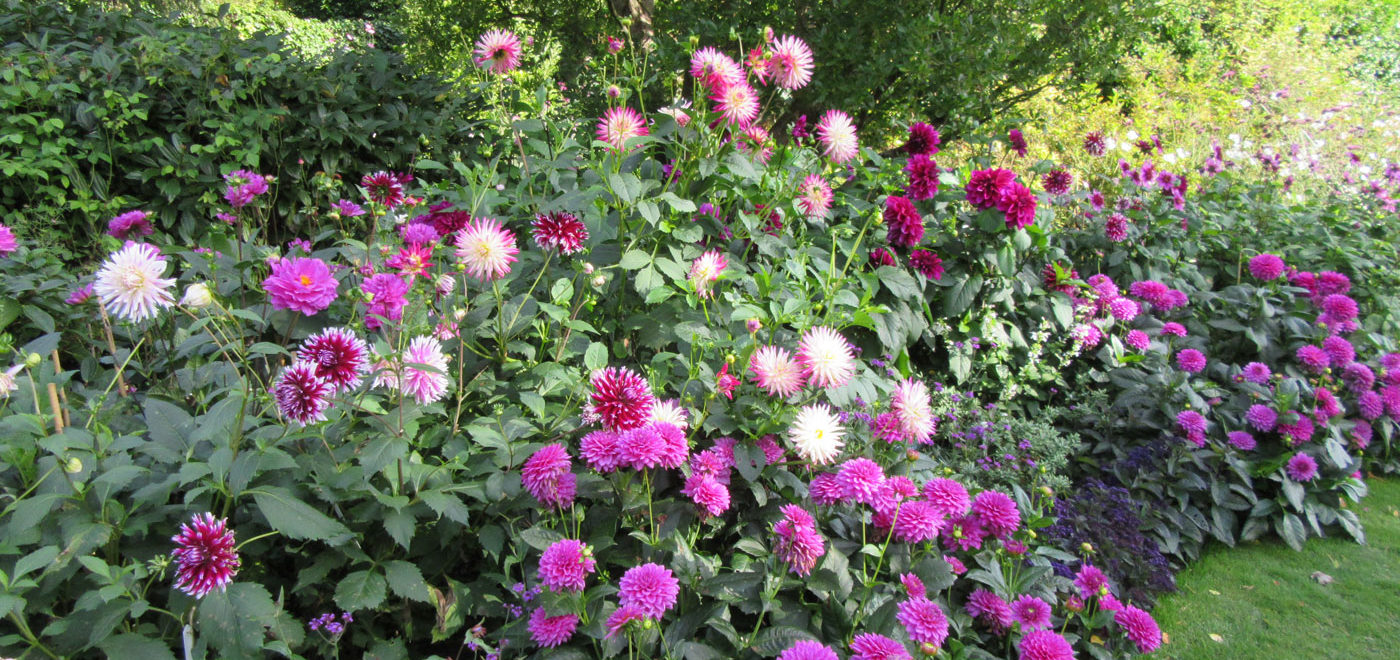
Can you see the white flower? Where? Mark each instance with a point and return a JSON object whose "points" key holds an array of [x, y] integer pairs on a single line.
{"points": [[197, 295], [670, 412], [130, 282], [825, 357], [816, 434], [7, 381]]}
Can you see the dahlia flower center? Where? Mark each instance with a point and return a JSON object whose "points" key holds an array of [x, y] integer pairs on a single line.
{"points": [[133, 279], [305, 280]]}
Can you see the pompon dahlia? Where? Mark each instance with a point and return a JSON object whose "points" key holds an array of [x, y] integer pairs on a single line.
{"points": [[989, 607], [1044, 645], [1018, 203], [1266, 266], [791, 63], [837, 136], [621, 617], [600, 450], [1358, 377], [1031, 612], [486, 249], [1339, 308], [1140, 627], [881, 257], [1339, 351], [984, 187], [913, 586], [1124, 309], [621, 399], [1190, 360], [1017, 141], [387, 297], [341, 358], [641, 448], [551, 631], [798, 543], [8, 244], [1057, 181], [132, 224], [825, 357], [1191, 422], [424, 385], [130, 283], [714, 69], [912, 407], [826, 490], [737, 104], [860, 480], [205, 556], [928, 264], [385, 187], [705, 271], [816, 434], [917, 521], [565, 565], [814, 196], [558, 230], [808, 650], [1242, 440], [923, 177], [301, 395], [498, 50], [1370, 405], [1137, 339], [923, 140], [618, 125], [775, 372], [1257, 373], [1115, 228], [870, 646], [1094, 143], [947, 496], [906, 225], [649, 587], [997, 512], [1302, 467], [546, 473]]}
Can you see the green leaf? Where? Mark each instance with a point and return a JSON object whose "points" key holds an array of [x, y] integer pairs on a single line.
{"points": [[296, 519], [776, 639], [960, 296], [634, 259], [407, 581], [361, 590], [647, 279], [234, 620], [540, 538], [35, 560], [400, 525], [130, 645], [596, 357], [1292, 530]]}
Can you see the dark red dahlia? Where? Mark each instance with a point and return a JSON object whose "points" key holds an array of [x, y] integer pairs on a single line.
{"points": [[905, 223], [1094, 144], [1056, 278], [927, 263], [386, 187], [1017, 142], [205, 559], [621, 399], [1057, 181], [1116, 228], [560, 231], [923, 140], [881, 257], [341, 358]]}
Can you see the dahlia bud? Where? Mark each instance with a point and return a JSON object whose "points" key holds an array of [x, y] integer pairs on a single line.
{"points": [[912, 455], [1047, 491], [445, 284], [587, 268], [1087, 547], [753, 325], [929, 649], [74, 465], [197, 295], [614, 91], [730, 358], [33, 360], [459, 314], [599, 281]]}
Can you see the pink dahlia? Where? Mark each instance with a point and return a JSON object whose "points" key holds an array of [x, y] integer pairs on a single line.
{"points": [[641, 448], [649, 587], [1044, 645], [917, 521], [486, 249], [826, 490], [1057, 181], [870, 646], [205, 556], [419, 233], [775, 372], [1031, 612], [906, 225], [546, 475], [1017, 141], [498, 50], [1124, 309], [565, 565], [984, 187], [1191, 422], [705, 271], [1302, 467], [715, 69], [301, 395], [341, 358], [1018, 203], [1358, 377], [997, 512], [964, 533], [989, 607], [424, 373], [808, 650], [618, 125], [1257, 373], [1339, 351], [912, 408], [923, 177], [1140, 627], [621, 399], [1339, 308], [385, 187], [1266, 266], [1190, 360], [621, 617], [600, 450], [1090, 580], [1095, 144], [386, 301], [301, 284], [132, 224], [947, 496], [798, 543], [837, 136], [1241, 440], [1137, 339], [913, 585], [8, 244], [1313, 358], [928, 264], [413, 260], [814, 196], [860, 480], [881, 257], [130, 283], [1370, 405], [790, 65], [1115, 228], [737, 104], [560, 231], [923, 140], [551, 631], [825, 357], [708, 493]]}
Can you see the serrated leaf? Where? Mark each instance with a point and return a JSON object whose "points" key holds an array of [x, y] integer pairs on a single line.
{"points": [[361, 590], [234, 620], [540, 538], [296, 519], [130, 645], [775, 640], [596, 357], [634, 259], [400, 525], [406, 580]]}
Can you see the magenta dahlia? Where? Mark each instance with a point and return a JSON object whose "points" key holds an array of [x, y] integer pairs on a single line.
{"points": [[923, 140], [132, 224], [341, 358], [551, 631], [870, 646], [649, 587], [928, 264], [621, 399], [1031, 612], [386, 292], [906, 226], [808, 650], [498, 51], [923, 177], [565, 565], [997, 512], [546, 475], [301, 395], [558, 230], [1266, 266], [300, 284], [984, 187], [1044, 645], [1018, 203], [947, 496], [206, 558], [1302, 467], [1140, 627]]}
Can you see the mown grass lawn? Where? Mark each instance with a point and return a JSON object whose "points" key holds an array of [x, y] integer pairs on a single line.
{"points": [[1260, 600]]}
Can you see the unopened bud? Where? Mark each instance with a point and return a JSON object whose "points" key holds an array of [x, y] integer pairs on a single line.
{"points": [[33, 360], [599, 281], [197, 295], [73, 465]]}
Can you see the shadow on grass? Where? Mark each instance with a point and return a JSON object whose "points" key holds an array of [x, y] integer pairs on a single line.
{"points": [[1261, 601]]}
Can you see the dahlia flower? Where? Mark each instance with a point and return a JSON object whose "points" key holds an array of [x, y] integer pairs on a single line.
{"points": [[130, 283], [870, 646], [387, 299], [621, 399], [649, 587], [1031, 612], [1140, 627], [1302, 467], [132, 224], [551, 631], [906, 225], [565, 565], [737, 104], [8, 244], [546, 475], [814, 196], [618, 125], [985, 187], [837, 136], [923, 140], [798, 543], [997, 512], [825, 357], [923, 177], [301, 395], [791, 63], [928, 264], [498, 50], [300, 284], [341, 358], [206, 558], [560, 231], [1044, 645], [1266, 266], [947, 496], [705, 271], [808, 650], [912, 407], [486, 249], [817, 434], [424, 385]]}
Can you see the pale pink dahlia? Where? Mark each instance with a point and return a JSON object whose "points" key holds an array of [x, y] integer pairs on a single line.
{"points": [[912, 407], [425, 385], [837, 136], [737, 103], [791, 63], [205, 556], [130, 283], [565, 565], [558, 230], [341, 358], [715, 69], [301, 395], [649, 587], [498, 50], [486, 249], [621, 399], [618, 125], [775, 372], [825, 357], [814, 196], [705, 271], [551, 631]]}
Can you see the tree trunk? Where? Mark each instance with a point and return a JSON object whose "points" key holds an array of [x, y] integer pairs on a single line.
{"points": [[640, 13]]}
